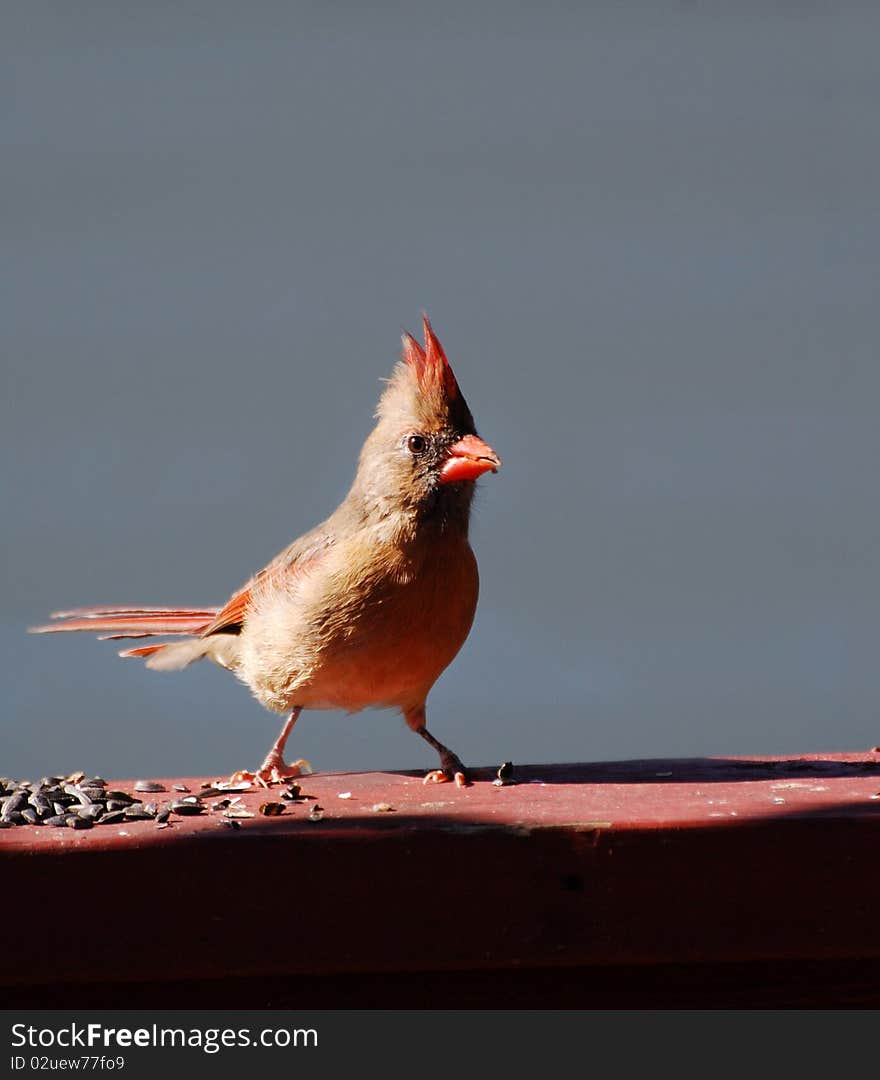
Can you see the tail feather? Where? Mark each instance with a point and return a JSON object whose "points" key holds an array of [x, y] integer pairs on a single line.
{"points": [[144, 650], [114, 623], [130, 621], [120, 637], [103, 609]]}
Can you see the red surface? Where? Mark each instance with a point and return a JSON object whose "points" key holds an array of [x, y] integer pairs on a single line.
{"points": [[610, 866]]}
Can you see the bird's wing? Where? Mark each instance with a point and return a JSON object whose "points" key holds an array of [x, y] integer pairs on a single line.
{"points": [[302, 553]]}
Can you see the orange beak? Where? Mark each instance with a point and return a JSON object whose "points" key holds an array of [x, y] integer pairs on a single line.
{"points": [[469, 458]]}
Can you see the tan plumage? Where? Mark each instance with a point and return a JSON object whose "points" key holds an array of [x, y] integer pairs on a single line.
{"points": [[369, 607]]}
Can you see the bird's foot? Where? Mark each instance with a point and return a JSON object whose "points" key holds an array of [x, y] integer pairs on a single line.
{"points": [[274, 770], [451, 770]]}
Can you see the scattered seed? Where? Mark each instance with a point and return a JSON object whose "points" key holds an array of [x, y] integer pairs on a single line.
{"points": [[272, 809], [238, 812], [56, 819], [187, 806], [228, 823], [291, 792], [316, 813], [77, 793], [120, 797], [74, 821], [149, 785], [40, 804], [344, 795], [504, 775], [163, 815], [112, 817], [12, 805], [179, 787], [30, 816], [384, 808], [136, 812]]}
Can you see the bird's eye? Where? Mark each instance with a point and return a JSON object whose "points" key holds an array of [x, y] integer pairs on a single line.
{"points": [[417, 444]]}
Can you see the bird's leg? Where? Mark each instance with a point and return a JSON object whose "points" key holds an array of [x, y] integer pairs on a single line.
{"points": [[274, 769], [451, 767]]}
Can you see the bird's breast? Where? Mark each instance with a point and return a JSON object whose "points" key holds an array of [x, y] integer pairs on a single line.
{"points": [[373, 627]]}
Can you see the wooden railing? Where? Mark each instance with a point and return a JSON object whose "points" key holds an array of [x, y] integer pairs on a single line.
{"points": [[667, 883]]}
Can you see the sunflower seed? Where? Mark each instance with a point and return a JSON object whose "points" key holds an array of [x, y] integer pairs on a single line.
{"points": [[42, 806], [120, 796], [74, 821], [149, 785], [13, 804], [77, 793]]}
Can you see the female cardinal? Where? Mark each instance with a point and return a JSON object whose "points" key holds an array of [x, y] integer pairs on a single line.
{"points": [[370, 606]]}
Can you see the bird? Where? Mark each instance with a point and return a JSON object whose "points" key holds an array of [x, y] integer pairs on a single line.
{"points": [[368, 608]]}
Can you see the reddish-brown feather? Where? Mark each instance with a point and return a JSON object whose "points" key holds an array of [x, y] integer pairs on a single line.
{"points": [[234, 611], [144, 650], [153, 622], [233, 614], [104, 609], [437, 367]]}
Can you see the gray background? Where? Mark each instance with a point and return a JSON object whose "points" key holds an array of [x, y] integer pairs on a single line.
{"points": [[647, 235]]}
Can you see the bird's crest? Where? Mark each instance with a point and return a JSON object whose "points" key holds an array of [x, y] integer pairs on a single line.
{"points": [[429, 364], [423, 388]]}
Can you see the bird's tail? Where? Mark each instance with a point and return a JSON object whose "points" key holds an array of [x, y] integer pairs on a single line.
{"points": [[115, 623]]}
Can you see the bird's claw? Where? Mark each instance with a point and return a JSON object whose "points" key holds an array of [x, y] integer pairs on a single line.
{"points": [[274, 770], [441, 776]]}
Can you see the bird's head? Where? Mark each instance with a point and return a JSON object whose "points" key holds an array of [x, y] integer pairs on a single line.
{"points": [[424, 453]]}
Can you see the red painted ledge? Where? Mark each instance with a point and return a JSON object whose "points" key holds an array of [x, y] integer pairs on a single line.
{"points": [[713, 882]]}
